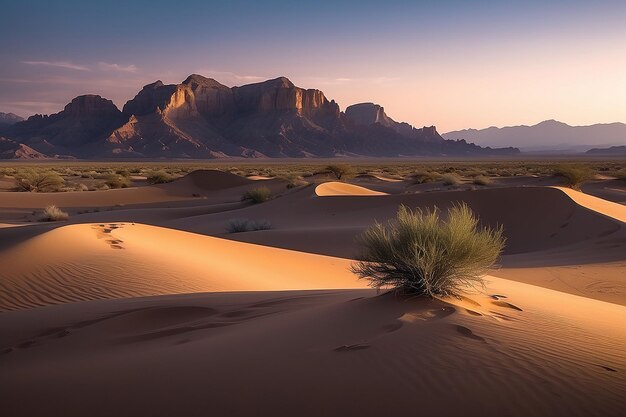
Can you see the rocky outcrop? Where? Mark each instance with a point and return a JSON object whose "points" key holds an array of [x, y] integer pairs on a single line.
{"points": [[85, 120], [201, 118], [10, 149]]}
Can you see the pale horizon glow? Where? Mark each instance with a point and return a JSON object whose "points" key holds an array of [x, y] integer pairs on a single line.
{"points": [[450, 64]]}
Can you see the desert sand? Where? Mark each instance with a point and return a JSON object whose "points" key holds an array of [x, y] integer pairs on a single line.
{"points": [[148, 306]]}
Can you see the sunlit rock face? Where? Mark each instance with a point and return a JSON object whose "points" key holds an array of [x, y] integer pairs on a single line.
{"points": [[10, 149], [201, 118]]}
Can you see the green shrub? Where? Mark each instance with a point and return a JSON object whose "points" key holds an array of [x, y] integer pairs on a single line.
{"points": [[574, 175], [451, 179], [482, 180], [340, 171], [159, 177], [117, 181], [53, 214], [38, 181], [257, 195], [419, 253]]}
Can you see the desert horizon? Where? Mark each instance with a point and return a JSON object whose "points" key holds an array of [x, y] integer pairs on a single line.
{"points": [[321, 208]]}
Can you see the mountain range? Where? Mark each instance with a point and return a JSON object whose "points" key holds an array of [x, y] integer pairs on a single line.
{"points": [[549, 135], [201, 118]]}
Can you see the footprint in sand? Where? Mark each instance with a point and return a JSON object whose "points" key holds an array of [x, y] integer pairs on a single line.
{"points": [[103, 231], [506, 305], [466, 332]]}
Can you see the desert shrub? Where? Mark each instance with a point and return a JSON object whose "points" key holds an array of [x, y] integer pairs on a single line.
{"points": [[81, 187], [159, 177], [259, 225], [340, 171], [621, 175], [451, 178], [422, 177], [123, 172], [237, 225], [244, 225], [574, 175], [257, 195], [39, 181], [419, 253], [117, 181], [482, 180], [53, 214]]}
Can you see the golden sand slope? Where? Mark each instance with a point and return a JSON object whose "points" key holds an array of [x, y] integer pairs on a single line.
{"points": [[93, 261], [608, 208], [517, 350], [334, 188]]}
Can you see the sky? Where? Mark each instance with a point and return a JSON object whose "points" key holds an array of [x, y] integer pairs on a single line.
{"points": [[453, 64]]}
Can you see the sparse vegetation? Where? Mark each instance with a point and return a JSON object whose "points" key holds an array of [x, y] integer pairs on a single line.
{"points": [[258, 195], [53, 214], [482, 180], [421, 254], [239, 225], [159, 177], [39, 181], [422, 177], [451, 178], [117, 181], [341, 171], [574, 175]]}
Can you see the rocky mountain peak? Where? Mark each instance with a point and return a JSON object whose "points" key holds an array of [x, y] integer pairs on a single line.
{"points": [[90, 105]]}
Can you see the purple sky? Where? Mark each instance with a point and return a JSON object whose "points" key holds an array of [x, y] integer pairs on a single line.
{"points": [[454, 64]]}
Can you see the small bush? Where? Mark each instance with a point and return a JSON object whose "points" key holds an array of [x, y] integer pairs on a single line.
{"points": [[482, 180], [244, 225], [422, 177], [451, 179], [574, 175], [420, 254], [53, 214], [36, 181], [259, 225], [237, 225], [117, 181], [257, 195], [341, 171], [159, 177]]}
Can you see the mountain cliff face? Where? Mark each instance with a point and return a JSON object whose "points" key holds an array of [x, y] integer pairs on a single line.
{"points": [[84, 121], [201, 118]]}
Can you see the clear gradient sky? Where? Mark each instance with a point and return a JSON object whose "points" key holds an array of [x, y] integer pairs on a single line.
{"points": [[455, 64]]}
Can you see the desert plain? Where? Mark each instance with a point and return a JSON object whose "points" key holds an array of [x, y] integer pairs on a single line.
{"points": [[180, 298]]}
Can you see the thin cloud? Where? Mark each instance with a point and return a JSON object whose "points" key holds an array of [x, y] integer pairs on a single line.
{"points": [[116, 67], [58, 64]]}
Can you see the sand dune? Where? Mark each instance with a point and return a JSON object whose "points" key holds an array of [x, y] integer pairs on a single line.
{"points": [[94, 261], [334, 188], [517, 350], [607, 208]]}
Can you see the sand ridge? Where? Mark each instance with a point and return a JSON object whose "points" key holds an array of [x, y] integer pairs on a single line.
{"points": [[335, 188]]}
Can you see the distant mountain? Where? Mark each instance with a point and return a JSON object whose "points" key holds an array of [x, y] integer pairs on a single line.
{"points": [[201, 118], [613, 150], [8, 119], [547, 135]]}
